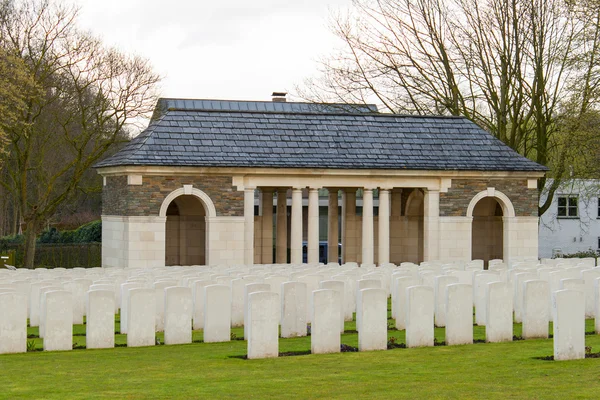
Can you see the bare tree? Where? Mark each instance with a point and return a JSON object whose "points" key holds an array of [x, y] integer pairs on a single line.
{"points": [[515, 67], [88, 96]]}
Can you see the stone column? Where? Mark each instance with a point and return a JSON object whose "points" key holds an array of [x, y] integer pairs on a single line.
{"points": [[367, 227], [508, 234], [333, 225], [384, 227], [349, 239], [249, 226], [313, 226], [431, 217], [296, 231], [267, 226], [281, 237]]}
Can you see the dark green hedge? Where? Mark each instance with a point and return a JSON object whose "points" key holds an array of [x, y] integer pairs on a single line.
{"points": [[88, 233]]}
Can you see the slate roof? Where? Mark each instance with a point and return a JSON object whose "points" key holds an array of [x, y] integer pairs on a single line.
{"points": [[190, 136], [165, 104]]}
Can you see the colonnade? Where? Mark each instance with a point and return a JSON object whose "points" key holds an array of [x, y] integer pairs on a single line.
{"points": [[266, 196]]}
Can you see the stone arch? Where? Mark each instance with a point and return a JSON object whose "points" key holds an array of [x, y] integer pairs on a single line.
{"points": [[488, 211], [187, 213], [414, 203], [209, 206], [413, 240], [507, 207]]}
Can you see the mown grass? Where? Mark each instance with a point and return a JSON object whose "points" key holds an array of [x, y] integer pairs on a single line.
{"points": [[218, 370]]}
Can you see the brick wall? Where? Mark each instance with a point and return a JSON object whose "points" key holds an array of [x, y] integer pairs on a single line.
{"points": [[456, 201], [118, 198]]}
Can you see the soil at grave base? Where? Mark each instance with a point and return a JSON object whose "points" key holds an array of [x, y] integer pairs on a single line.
{"points": [[551, 358]]}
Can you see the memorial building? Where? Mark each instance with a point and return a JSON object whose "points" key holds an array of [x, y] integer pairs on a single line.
{"points": [[390, 188]]}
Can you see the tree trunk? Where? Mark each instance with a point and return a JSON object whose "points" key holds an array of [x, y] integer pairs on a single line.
{"points": [[30, 236]]}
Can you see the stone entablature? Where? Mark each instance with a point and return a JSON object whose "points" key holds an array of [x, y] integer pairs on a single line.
{"points": [[455, 202], [429, 213], [121, 198]]}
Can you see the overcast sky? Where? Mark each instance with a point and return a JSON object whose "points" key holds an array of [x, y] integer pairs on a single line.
{"points": [[223, 49]]}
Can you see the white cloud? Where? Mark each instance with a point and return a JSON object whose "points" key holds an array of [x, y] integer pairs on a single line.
{"points": [[232, 49]]}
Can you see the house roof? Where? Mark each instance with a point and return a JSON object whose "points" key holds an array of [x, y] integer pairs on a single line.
{"points": [[209, 133]]}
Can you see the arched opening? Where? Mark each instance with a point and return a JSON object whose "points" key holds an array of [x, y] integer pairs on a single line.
{"points": [[413, 240], [487, 233], [185, 231]]}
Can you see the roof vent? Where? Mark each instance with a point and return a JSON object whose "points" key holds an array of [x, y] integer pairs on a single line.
{"points": [[279, 97]]}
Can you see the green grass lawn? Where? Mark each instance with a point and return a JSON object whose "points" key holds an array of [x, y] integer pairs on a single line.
{"points": [[218, 370]]}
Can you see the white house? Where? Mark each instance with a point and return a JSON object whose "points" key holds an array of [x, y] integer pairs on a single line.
{"points": [[572, 223]]}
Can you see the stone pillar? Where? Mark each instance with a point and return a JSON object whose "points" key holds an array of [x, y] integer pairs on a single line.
{"points": [[508, 232], [281, 237], [431, 217], [267, 226], [249, 226], [367, 227], [349, 236], [296, 231], [395, 202], [383, 255], [313, 226], [332, 227]]}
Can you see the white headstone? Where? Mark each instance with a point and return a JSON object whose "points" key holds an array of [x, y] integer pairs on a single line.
{"points": [[124, 318], [459, 314], [100, 319], [597, 305], [372, 307], [159, 294], [399, 302], [178, 315], [251, 288], [217, 313], [340, 287], [568, 307], [106, 286], [589, 276], [312, 284], [263, 325], [480, 292], [573, 284], [419, 316], [141, 316], [34, 304], [325, 330], [518, 280], [43, 291], [237, 300], [79, 289], [440, 283], [293, 309], [198, 297], [535, 309], [499, 313], [13, 322], [59, 320]]}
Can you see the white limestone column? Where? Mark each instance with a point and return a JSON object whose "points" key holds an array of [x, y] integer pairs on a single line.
{"points": [[508, 233], [313, 225], [296, 231], [249, 226], [367, 227], [431, 218], [332, 226], [267, 226], [384, 227], [281, 236]]}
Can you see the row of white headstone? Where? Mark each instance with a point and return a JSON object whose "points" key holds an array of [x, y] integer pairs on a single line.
{"points": [[238, 283]]}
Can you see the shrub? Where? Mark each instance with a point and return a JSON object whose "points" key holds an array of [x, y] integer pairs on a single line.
{"points": [[90, 232], [581, 254]]}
